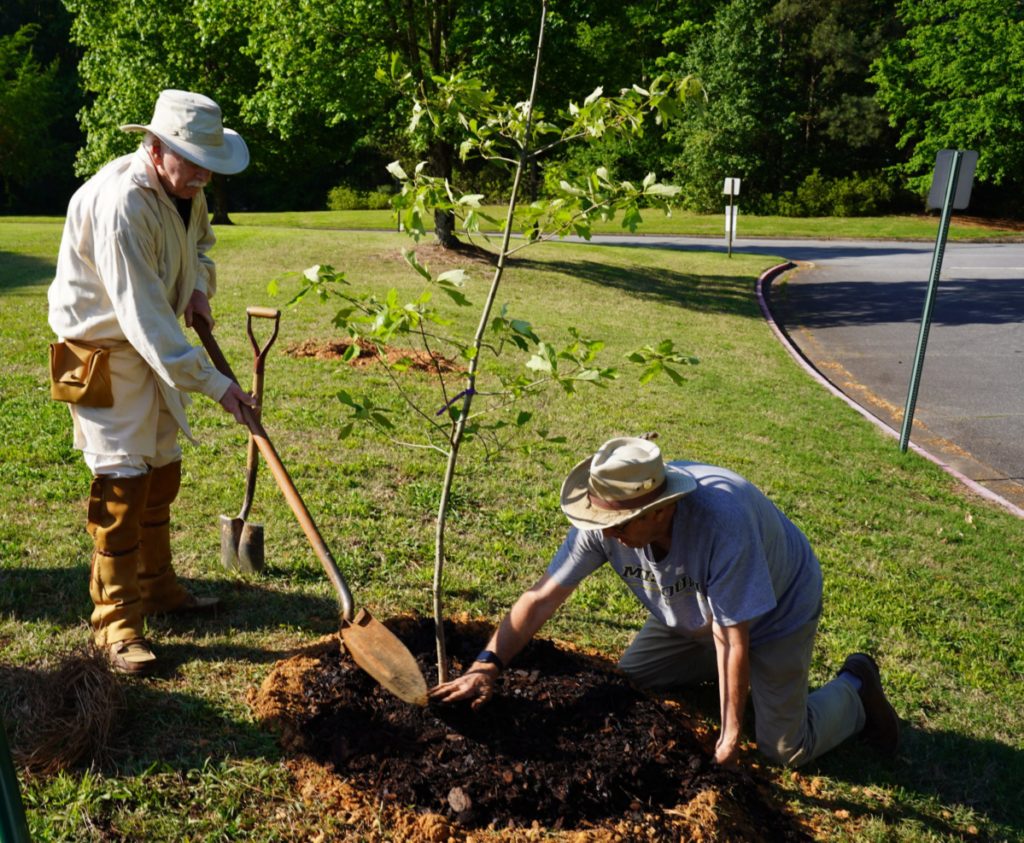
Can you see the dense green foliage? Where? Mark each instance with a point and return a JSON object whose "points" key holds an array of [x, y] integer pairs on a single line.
{"points": [[819, 106], [38, 102], [953, 81]]}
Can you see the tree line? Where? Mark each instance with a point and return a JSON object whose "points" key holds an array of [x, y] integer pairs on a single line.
{"points": [[821, 107]]}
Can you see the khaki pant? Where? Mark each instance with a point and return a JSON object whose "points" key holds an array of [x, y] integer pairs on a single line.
{"points": [[792, 726]]}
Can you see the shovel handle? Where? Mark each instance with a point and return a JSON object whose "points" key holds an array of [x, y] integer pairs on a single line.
{"points": [[258, 367], [284, 481]]}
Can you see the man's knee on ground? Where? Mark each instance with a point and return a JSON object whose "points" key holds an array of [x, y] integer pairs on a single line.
{"points": [[784, 752]]}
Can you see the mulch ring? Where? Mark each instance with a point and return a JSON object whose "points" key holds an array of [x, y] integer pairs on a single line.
{"points": [[369, 354], [567, 750]]}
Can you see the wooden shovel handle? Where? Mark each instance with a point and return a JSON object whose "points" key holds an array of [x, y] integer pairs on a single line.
{"points": [[284, 481]]}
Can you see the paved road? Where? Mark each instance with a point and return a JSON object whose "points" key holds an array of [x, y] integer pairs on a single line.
{"points": [[853, 309]]}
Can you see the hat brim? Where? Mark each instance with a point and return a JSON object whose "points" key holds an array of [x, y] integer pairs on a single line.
{"points": [[581, 513], [227, 159]]}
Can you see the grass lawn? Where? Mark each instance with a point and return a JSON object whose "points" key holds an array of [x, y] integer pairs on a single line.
{"points": [[916, 571], [908, 227]]}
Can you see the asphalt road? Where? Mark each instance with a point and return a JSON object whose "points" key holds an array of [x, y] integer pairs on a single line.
{"points": [[853, 310]]}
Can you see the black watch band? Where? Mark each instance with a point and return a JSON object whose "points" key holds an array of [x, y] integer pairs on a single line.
{"points": [[490, 657]]}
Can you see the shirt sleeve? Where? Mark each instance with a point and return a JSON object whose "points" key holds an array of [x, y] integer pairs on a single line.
{"points": [[580, 555], [126, 257]]}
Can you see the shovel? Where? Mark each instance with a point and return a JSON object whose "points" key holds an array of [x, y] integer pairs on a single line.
{"points": [[241, 543], [372, 645]]}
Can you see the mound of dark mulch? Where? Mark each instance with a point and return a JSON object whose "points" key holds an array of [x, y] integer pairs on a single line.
{"points": [[565, 743]]}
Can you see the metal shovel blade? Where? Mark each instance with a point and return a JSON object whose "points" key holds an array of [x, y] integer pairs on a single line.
{"points": [[378, 651], [241, 545]]}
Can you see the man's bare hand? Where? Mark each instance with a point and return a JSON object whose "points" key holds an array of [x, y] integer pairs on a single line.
{"points": [[476, 685], [727, 751], [234, 398], [198, 305]]}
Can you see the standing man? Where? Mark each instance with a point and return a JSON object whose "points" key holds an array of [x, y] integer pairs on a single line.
{"points": [[733, 590], [133, 260]]}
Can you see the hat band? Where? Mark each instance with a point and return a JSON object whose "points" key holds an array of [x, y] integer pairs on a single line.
{"points": [[630, 503]]}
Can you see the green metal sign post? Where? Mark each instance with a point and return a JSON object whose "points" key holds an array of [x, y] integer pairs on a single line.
{"points": [[955, 194], [13, 826]]}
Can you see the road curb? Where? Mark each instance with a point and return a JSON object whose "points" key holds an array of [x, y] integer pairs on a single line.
{"points": [[764, 283]]}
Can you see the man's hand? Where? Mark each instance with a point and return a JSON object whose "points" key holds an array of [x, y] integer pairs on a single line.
{"points": [[475, 685], [234, 398], [198, 305], [726, 751]]}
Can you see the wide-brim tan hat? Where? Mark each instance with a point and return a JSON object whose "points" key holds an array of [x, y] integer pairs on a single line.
{"points": [[624, 479], [191, 125]]}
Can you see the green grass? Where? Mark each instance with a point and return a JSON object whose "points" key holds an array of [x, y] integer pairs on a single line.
{"points": [[906, 227], [915, 570]]}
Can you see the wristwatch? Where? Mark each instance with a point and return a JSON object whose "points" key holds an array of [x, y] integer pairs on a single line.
{"points": [[490, 657]]}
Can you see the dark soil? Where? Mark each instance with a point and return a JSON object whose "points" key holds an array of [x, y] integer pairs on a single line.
{"points": [[565, 743]]}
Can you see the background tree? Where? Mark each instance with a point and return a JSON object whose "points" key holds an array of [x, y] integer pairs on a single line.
{"points": [[38, 101], [133, 49], [788, 97], [954, 81]]}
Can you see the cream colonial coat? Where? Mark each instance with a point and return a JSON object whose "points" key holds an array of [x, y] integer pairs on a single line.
{"points": [[125, 273]]}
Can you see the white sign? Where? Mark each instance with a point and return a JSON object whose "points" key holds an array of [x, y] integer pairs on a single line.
{"points": [[730, 220], [964, 178], [732, 187]]}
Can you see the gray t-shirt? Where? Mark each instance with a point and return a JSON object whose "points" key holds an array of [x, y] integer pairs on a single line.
{"points": [[734, 557]]}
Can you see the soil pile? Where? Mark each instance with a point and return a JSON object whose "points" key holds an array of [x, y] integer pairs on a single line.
{"points": [[367, 353], [565, 746]]}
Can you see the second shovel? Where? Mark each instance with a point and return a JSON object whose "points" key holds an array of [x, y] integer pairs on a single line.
{"points": [[241, 542]]}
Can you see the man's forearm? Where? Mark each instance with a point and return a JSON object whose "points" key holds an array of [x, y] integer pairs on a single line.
{"points": [[732, 645]]}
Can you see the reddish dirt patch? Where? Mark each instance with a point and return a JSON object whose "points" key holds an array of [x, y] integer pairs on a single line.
{"points": [[369, 353], [566, 750]]}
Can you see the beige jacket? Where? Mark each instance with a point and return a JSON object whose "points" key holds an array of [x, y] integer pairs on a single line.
{"points": [[126, 270]]}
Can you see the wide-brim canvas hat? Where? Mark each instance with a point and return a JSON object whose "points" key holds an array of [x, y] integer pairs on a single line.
{"points": [[191, 125], [624, 479]]}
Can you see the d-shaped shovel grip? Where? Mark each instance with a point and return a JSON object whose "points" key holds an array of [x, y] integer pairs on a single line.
{"points": [[284, 481]]}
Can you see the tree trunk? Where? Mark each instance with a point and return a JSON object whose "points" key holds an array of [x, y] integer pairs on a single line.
{"points": [[441, 153], [220, 201]]}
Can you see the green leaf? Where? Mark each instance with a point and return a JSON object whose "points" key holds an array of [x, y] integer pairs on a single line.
{"points": [[539, 364], [396, 170], [453, 276], [663, 190], [413, 261]]}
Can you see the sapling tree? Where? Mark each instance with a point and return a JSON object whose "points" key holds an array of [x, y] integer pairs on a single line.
{"points": [[481, 403]]}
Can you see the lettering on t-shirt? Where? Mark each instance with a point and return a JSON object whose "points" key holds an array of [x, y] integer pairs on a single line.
{"points": [[646, 580]]}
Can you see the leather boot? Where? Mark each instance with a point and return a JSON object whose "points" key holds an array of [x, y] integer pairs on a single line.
{"points": [[160, 589], [115, 509]]}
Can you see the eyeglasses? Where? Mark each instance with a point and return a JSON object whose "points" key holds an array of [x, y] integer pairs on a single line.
{"points": [[619, 529]]}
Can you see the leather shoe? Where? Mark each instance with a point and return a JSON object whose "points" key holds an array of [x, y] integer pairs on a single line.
{"points": [[882, 726], [133, 656]]}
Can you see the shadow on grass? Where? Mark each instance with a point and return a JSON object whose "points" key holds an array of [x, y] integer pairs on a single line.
{"points": [[162, 724], [61, 596], [705, 293], [952, 768], [23, 271]]}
